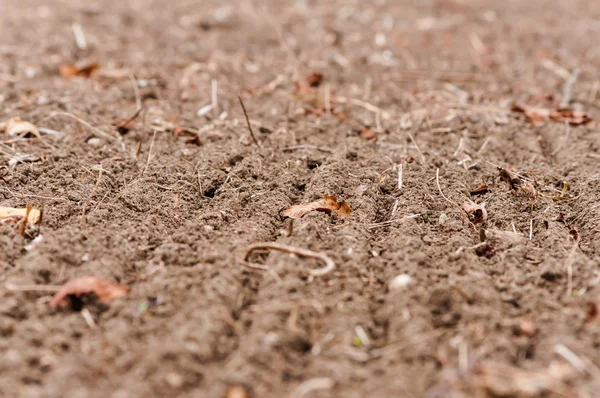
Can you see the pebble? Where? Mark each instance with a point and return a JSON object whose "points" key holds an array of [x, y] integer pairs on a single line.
{"points": [[400, 282]]}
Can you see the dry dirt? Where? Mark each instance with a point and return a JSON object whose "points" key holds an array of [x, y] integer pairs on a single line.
{"points": [[171, 205]]}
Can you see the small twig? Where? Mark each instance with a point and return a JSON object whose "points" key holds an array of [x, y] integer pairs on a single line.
{"points": [[79, 36], [214, 96], [569, 266], [310, 385], [568, 89], [32, 288], [89, 198], [23, 225], [362, 104], [308, 147], [248, 122], [475, 247], [388, 222], [400, 177], [136, 92], [87, 316], [80, 120], [418, 150], [329, 264], [437, 181], [150, 152]]}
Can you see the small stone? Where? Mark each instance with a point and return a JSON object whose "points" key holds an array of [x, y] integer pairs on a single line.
{"points": [[175, 380], [94, 141], [443, 219], [400, 282]]}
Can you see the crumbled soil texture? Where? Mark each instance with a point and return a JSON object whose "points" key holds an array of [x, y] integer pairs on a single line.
{"points": [[339, 94]]}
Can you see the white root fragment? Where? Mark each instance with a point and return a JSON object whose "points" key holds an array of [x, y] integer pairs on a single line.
{"points": [[329, 264]]}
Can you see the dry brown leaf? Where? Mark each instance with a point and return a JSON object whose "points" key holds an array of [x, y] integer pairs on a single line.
{"points": [[570, 116], [16, 126], [368, 134], [476, 212], [344, 210], [19, 213], [69, 71], [105, 291], [536, 116], [480, 190], [315, 79], [539, 116], [327, 205]]}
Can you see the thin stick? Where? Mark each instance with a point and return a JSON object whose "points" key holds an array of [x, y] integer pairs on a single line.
{"points": [[437, 180], [400, 177], [530, 229], [329, 264], [87, 317], [79, 36], [89, 198], [568, 89], [327, 99], [308, 147], [418, 150], [362, 104], [569, 266], [150, 152], [248, 121], [80, 120], [214, 96], [32, 288], [136, 92], [310, 385]]}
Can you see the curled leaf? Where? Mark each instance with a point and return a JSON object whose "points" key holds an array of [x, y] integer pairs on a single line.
{"points": [[570, 116], [69, 71], [327, 205], [16, 126], [105, 291], [476, 212], [315, 79], [10, 213], [536, 116]]}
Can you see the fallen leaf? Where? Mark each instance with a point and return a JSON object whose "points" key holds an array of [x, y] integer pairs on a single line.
{"points": [[327, 205], [570, 116], [477, 213], [344, 210], [368, 134], [480, 190], [16, 126], [69, 71], [315, 79], [510, 178], [536, 116], [105, 291], [19, 213], [539, 116]]}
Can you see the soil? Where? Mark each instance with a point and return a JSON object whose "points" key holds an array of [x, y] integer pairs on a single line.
{"points": [[169, 207]]}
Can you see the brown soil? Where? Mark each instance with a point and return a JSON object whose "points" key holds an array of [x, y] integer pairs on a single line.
{"points": [[429, 84]]}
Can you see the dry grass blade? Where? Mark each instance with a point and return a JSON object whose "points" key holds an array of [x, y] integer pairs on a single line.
{"points": [[329, 264], [96, 130], [248, 122]]}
